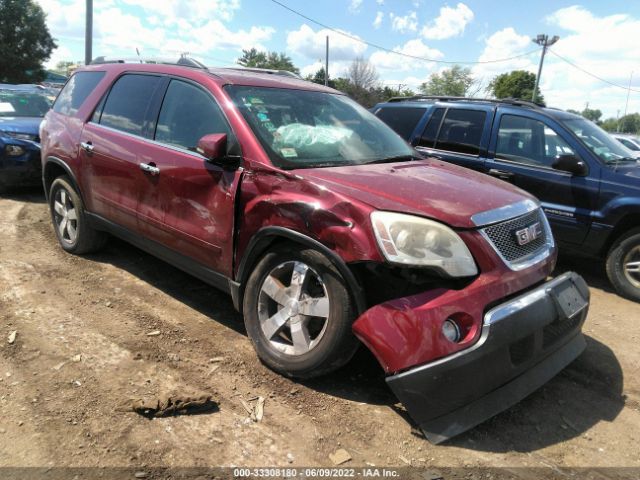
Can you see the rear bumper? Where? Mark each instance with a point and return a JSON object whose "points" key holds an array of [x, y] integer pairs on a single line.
{"points": [[523, 344]]}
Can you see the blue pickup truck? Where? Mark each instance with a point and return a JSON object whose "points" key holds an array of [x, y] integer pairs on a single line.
{"points": [[587, 182]]}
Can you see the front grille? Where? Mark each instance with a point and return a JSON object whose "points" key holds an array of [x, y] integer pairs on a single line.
{"points": [[504, 240]]}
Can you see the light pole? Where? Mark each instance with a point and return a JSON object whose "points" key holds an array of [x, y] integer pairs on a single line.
{"points": [[544, 41], [626, 105], [88, 33]]}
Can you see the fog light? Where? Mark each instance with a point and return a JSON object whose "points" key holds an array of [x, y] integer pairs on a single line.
{"points": [[451, 331], [14, 150]]}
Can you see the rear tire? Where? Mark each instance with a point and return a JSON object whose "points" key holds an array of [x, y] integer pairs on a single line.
{"points": [[623, 265], [298, 313], [70, 221]]}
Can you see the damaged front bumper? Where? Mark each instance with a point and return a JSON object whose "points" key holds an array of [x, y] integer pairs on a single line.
{"points": [[523, 343]]}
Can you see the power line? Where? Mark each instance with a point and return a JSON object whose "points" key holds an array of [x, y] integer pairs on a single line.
{"points": [[628, 89], [388, 50]]}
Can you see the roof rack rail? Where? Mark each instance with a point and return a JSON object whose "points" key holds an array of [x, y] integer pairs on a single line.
{"points": [[444, 98], [270, 71], [183, 61]]}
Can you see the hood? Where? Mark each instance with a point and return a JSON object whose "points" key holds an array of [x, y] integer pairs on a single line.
{"points": [[433, 189], [29, 125], [630, 171]]}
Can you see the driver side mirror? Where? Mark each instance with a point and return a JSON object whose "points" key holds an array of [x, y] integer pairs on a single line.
{"points": [[213, 147], [572, 164]]}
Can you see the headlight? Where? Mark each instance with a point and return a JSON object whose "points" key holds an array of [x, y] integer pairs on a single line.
{"points": [[410, 240], [14, 150]]}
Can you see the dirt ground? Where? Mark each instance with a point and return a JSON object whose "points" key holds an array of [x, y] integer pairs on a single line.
{"points": [[83, 349]]}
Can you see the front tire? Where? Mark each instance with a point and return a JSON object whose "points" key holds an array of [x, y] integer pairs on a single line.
{"points": [[623, 265], [298, 313], [70, 221]]}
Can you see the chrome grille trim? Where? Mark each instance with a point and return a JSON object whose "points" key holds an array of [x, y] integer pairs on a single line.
{"points": [[518, 257], [489, 217]]}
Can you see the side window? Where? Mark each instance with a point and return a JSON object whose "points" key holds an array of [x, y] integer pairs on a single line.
{"points": [[188, 114], [461, 131], [126, 106], [401, 119], [76, 91], [528, 141], [428, 137]]}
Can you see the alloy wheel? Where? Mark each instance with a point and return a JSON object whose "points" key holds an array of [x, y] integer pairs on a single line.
{"points": [[631, 264], [65, 216], [293, 308]]}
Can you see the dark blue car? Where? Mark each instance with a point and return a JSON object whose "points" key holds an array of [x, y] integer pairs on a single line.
{"points": [[21, 111], [587, 182]]}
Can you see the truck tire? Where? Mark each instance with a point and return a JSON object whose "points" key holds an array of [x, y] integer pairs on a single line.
{"points": [[298, 313], [623, 265], [69, 220]]}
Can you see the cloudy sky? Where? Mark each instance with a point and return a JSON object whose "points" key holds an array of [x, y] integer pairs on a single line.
{"points": [[602, 38]]}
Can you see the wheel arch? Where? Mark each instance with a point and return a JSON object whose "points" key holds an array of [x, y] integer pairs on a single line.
{"points": [[626, 224], [54, 168], [266, 238]]}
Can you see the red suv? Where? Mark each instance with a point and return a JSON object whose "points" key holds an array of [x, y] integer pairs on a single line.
{"points": [[324, 226]]}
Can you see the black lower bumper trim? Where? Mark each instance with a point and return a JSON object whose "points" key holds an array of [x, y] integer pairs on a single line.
{"points": [[461, 420], [524, 343]]}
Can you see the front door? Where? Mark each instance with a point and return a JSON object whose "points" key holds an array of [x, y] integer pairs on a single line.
{"points": [[523, 151], [187, 202]]}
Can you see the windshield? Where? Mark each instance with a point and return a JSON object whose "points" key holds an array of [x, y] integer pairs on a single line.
{"points": [[608, 149], [304, 129], [23, 104]]}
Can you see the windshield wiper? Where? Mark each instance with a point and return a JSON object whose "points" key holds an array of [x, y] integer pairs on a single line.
{"points": [[622, 159], [396, 158]]}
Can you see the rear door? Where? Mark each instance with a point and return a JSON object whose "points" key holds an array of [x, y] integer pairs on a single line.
{"points": [[110, 143], [458, 135], [524, 147], [187, 203]]}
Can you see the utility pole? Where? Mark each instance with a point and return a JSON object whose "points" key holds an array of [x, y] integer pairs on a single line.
{"points": [[326, 65], [88, 34], [626, 105], [544, 41]]}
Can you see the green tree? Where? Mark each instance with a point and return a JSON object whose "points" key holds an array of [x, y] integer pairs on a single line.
{"points": [[610, 124], [25, 41], [273, 60], [630, 123], [64, 66], [455, 81], [592, 114], [318, 77], [516, 84]]}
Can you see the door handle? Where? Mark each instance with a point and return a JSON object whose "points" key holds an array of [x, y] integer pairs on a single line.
{"points": [[501, 174], [87, 147], [150, 168]]}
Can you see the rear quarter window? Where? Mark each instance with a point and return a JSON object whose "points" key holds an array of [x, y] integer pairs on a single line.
{"points": [[401, 119], [76, 91]]}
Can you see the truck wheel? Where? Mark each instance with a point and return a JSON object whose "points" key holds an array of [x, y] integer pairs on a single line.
{"points": [[69, 220], [623, 265], [298, 313]]}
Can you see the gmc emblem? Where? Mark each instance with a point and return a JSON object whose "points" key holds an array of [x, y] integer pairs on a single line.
{"points": [[529, 234]]}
